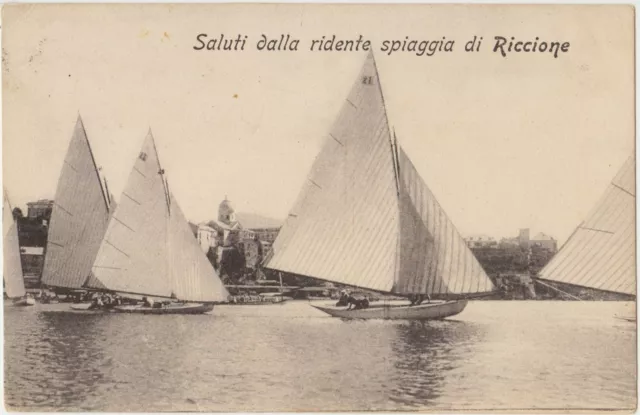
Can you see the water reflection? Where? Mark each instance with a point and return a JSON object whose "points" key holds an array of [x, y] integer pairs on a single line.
{"points": [[59, 362], [291, 358], [427, 355]]}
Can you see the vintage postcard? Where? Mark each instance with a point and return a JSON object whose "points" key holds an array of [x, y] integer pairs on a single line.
{"points": [[297, 207]]}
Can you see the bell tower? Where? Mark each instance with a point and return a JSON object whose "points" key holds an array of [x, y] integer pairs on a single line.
{"points": [[226, 213]]}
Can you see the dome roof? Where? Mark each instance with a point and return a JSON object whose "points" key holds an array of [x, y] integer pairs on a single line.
{"points": [[226, 206], [226, 213]]}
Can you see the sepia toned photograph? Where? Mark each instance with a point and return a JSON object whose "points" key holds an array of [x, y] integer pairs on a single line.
{"points": [[308, 207]]}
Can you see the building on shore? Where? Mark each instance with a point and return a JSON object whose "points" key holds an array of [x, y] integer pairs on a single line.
{"points": [[480, 241], [33, 228], [32, 259], [511, 261], [32, 238], [207, 237], [249, 234], [524, 241], [545, 241], [40, 209]]}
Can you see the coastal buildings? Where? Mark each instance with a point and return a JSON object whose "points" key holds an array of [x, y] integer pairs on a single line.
{"points": [[511, 261], [207, 237], [40, 209], [32, 259], [237, 239], [32, 238], [523, 240], [481, 241], [545, 241]]}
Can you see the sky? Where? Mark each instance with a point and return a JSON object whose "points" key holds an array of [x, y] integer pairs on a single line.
{"points": [[529, 140]]}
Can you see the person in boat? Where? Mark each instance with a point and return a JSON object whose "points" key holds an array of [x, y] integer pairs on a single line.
{"points": [[356, 303], [147, 302], [106, 300], [362, 304], [96, 303], [116, 300], [417, 299], [343, 300]]}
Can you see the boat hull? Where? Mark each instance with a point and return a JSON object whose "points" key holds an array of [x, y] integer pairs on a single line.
{"points": [[431, 311], [171, 309], [87, 307], [81, 306], [24, 302]]}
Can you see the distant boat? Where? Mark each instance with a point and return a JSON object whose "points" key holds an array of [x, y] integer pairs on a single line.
{"points": [[12, 269], [601, 252], [365, 218], [261, 299], [79, 219], [149, 249]]}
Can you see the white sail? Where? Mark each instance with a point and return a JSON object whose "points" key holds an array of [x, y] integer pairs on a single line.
{"points": [[365, 217], [601, 253], [344, 226], [79, 218], [433, 258], [12, 268], [148, 248], [194, 278]]}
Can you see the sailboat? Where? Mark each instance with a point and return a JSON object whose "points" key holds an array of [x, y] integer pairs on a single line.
{"points": [[13, 279], [600, 254], [365, 218], [79, 218], [149, 249]]}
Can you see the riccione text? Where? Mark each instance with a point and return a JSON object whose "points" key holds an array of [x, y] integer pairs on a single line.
{"points": [[502, 46], [505, 46]]}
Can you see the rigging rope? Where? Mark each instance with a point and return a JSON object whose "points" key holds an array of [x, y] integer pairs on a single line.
{"points": [[559, 290]]}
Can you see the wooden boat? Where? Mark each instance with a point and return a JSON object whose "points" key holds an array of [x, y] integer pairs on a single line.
{"points": [[86, 307], [149, 250], [79, 218], [172, 308], [431, 311], [365, 218], [600, 255], [12, 268]]}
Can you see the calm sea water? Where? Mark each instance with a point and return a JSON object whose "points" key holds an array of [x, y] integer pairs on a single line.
{"points": [[495, 355]]}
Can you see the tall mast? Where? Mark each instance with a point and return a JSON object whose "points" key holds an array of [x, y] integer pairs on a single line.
{"points": [[95, 165]]}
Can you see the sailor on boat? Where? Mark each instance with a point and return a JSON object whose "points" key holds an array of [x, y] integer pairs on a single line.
{"points": [[417, 299], [147, 302], [357, 304], [96, 303], [344, 299]]}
